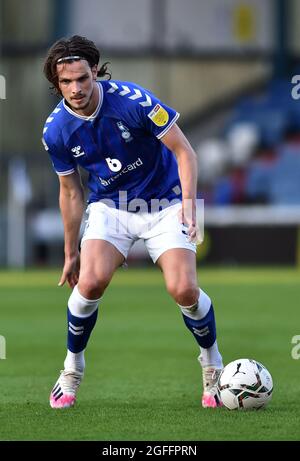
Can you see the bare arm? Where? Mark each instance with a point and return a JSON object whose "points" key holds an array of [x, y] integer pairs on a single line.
{"points": [[71, 202], [176, 141]]}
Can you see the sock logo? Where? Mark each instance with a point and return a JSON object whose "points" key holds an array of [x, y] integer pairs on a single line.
{"points": [[76, 330], [205, 331]]}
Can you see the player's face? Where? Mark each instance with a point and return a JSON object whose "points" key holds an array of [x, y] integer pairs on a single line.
{"points": [[76, 82]]}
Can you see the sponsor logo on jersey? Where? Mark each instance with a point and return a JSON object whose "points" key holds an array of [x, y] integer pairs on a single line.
{"points": [[159, 115], [126, 169], [113, 164], [77, 152], [125, 133]]}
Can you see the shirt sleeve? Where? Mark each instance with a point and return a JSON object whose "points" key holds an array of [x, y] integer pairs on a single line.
{"points": [[62, 161], [159, 118], [144, 109]]}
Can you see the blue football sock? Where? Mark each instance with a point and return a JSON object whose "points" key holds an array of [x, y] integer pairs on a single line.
{"points": [[204, 330], [79, 330]]}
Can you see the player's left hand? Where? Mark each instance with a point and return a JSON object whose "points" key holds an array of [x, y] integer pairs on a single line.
{"points": [[188, 220], [192, 231]]}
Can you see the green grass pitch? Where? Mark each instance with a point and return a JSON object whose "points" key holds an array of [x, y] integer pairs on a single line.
{"points": [[142, 379]]}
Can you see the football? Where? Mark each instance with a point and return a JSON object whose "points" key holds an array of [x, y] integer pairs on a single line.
{"points": [[245, 384]]}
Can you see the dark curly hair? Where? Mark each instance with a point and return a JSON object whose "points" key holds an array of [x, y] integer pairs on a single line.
{"points": [[73, 46]]}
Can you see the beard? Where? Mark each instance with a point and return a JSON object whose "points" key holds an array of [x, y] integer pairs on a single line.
{"points": [[87, 103], [81, 106]]}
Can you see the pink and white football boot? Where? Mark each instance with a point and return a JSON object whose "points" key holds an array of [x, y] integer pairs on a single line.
{"points": [[63, 394], [210, 397]]}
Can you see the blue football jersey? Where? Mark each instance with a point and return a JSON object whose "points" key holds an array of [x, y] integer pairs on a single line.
{"points": [[119, 145]]}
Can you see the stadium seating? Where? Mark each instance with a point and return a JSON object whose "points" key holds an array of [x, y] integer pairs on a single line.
{"points": [[263, 150]]}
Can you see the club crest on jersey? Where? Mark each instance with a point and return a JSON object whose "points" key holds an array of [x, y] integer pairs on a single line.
{"points": [[77, 152], [125, 133], [159, 115]]}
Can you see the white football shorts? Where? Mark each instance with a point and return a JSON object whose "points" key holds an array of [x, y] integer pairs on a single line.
{"points": [[161, 230]]}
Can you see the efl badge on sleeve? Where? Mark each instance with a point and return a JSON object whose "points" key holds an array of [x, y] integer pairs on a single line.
{"points": [[159, 115]]}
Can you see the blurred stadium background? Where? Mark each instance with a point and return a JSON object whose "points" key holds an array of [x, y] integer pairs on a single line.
{"points": [[229, 67]]}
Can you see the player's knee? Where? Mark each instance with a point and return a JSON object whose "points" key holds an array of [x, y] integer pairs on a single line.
{"points": [[184, 294], [92, 287]]}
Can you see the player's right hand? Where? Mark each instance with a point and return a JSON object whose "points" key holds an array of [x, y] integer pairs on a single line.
{"points": [[70, 272]]}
